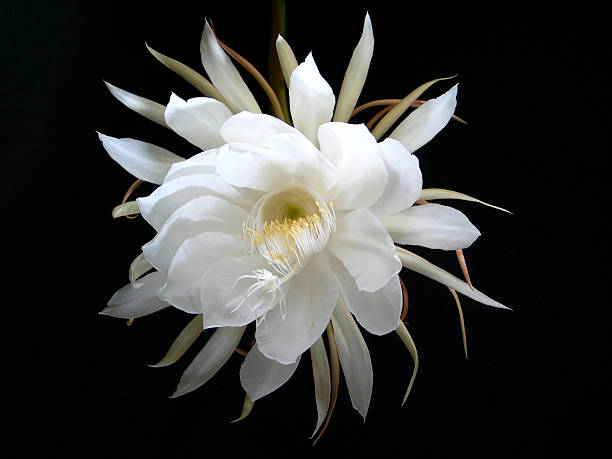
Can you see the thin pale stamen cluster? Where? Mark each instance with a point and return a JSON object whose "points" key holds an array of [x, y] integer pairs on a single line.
{"points": [[288, 244]]}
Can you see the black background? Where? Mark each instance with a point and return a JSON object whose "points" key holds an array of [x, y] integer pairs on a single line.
{"points": [[531, 88]]}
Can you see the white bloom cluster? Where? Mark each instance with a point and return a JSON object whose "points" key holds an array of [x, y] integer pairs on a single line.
{"points": [[292, 227]]}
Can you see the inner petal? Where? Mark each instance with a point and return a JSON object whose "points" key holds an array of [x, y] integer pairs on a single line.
{"points": [[288, 226]]}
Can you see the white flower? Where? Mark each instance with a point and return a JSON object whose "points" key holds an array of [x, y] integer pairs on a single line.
{"points": [[290, 227]]}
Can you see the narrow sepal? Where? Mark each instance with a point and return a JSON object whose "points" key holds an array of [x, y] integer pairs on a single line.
{"points": [[420, 265], [322, 381], [145, 107], [402, 332], [182, 342], [356, 73]]}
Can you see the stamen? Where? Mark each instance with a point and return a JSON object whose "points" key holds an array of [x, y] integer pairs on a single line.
{"points": [[288, 244]]}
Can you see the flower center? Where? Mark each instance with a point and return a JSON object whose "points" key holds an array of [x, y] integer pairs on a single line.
{"points": [[288, 226]]}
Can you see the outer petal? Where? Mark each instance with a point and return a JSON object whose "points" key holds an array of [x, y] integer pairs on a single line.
{"points": [[312, 295], [433, 226], [224, 75], [198, 120], [354, 359], [165, 200], [378, 312], [252, 128], [404, 181], [261, 376], [364, 246], [356, 73], [202, 163], [143, 160], [131, 302], [311, 99], [211, 358], [203, 214], [193, 258], [224, 297], [426, 121], [354, 152]]}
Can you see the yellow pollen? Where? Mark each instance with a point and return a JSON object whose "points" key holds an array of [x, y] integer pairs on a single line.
{"points": [[287, 229]]}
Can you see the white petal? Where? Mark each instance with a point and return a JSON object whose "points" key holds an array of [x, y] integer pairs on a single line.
{"points": [[245, 165], [130, 302], [143, 160], [427, 269], [354, 152], [202, 163], [217, 350], [354, 359], [356, 73], [309, 166], [192, 259], [198, 120], [145, 107], [224, 297], [433, 226], [364, 246], [378, 312], [166, 199], [253, 128], [282, 160], [311, 298], [200, 215], [261, 376], [426, 121], [224, 75], [311, 99], [404, 180]]}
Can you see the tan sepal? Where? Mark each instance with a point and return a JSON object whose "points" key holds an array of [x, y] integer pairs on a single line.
{"points": [[191, 76], [182, 342], [322, 381], [461, 321], [431, 194], [127, 208], [138, 267], [402, 332], [247, 407], [335, 378], [287, 59], [398, 110]]}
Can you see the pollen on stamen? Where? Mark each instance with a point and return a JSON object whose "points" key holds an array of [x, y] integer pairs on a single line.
{"points": [[288, 244]]}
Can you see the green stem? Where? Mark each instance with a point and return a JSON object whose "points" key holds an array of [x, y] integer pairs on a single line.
{"points": [[279, 14]]}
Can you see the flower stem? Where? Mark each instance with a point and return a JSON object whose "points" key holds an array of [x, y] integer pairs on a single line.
{"points": [[275, 74]]}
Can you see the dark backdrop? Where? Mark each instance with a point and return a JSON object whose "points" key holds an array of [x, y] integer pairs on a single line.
{"points": [[78, 382]]}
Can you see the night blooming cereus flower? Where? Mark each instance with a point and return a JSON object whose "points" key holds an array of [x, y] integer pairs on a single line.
{"points": [[291, 227]]}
